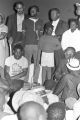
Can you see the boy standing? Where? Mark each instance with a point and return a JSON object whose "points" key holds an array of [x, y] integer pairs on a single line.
{"points": [[47, 44]]}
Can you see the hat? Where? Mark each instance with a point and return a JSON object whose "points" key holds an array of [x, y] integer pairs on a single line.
{"points": [[73, 64]]}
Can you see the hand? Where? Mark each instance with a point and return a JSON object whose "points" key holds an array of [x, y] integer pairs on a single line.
{"points": [[10, 41]]}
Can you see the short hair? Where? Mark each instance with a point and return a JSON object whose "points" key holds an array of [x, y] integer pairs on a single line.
{"points": [[69, 48], [18, 46], [53, 9], [72, 20], [56, 9], [56, 111], [16, 3], [47, 26], [33, 6]]}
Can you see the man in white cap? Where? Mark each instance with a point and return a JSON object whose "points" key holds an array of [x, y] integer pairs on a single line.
{"points": [[67, 85]]}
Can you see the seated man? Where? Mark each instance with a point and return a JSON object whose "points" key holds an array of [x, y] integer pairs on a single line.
{"points": [[67, 85], [56, 111], [31, 111], [16, 66], [62, 69]]}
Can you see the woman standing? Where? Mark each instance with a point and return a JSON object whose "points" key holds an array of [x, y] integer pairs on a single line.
{"points": [[4, 53]]}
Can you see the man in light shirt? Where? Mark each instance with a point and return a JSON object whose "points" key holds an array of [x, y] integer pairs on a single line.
{"points": [[71, 37]]}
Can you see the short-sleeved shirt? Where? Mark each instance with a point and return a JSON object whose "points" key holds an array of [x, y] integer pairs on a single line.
{"points": [[16, 66]]}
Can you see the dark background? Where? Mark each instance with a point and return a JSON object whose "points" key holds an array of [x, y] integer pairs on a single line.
{"points": [[66, 7]]}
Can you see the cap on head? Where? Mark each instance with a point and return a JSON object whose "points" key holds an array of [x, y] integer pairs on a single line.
{"points": [[73, 64]]}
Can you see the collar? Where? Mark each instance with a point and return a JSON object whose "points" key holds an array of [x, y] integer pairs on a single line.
{"points": [[55, 22], [34, 19]]}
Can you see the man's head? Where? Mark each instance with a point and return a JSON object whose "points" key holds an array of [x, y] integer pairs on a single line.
{"points": [[69, 52], [33, 11], [48, 28], [73, 24], [56, 111], [31, 111], [18, 51], [54, 14], [19, 7]]}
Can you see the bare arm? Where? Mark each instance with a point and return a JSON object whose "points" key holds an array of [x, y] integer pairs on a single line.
{"points": [[22, 74], [6, 74]]}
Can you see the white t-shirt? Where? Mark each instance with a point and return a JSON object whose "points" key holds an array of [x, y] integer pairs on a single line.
{"points": [[15, 65], [71, 39]]}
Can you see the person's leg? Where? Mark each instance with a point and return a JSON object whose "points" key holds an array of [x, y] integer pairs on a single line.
{"points": [[35, 52], [58, 56], [44, 69], [36, 75], [28, 53], [49, 73]]}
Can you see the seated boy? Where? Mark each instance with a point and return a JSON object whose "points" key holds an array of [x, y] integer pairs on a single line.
{"points": [[16, 66], [47, 45]]}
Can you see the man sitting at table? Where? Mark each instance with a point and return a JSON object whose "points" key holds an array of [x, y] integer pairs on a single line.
{"points": [[16, 66]]}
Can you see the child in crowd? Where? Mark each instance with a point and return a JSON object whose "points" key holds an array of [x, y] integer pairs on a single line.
{"points": [[47, 44]]}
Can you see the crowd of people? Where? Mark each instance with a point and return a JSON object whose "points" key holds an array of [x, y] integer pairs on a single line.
{"points": [[54, 47]]}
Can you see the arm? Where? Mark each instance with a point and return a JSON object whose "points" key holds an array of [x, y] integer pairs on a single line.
{"points": [[59, 87], [38, 57], [9, 25], [3, 35], [58, 44], [6, 74], [22, 74], [39, 52]]}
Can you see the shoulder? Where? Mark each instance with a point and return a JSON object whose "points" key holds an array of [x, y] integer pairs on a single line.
{"points": [[11, 16], [9, 59], [40, 20], [24, 58], [66, 32], [62, 22]]}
